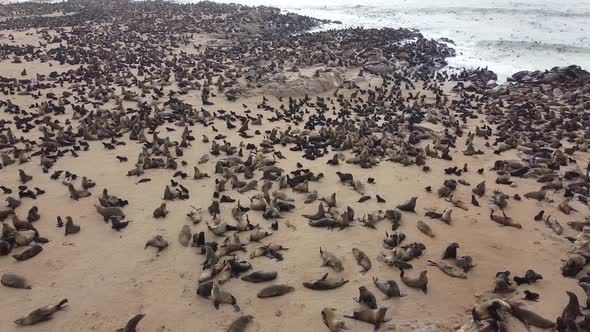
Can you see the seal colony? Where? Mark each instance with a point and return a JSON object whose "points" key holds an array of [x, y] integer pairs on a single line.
{"points": [[175, 167]]}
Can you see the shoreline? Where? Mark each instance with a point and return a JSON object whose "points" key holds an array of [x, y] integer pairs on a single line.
{"points": [[217, 110]]}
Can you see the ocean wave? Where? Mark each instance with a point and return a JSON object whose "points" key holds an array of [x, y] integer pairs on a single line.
{"points": [[533, 46]]}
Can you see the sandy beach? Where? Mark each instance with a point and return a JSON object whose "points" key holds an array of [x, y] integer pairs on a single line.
{"points": [[150, 81]]}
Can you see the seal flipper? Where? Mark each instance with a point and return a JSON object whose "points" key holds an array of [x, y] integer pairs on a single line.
{"points": [[61, 304]]}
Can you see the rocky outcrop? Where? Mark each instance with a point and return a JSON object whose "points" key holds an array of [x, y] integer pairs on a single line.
{"points": [[555, 75], [322, 82]]}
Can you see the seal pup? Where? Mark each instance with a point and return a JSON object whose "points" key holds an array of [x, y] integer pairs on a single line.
{"points": [[240, 324], [220, 296], [465, 262], [41, 314], [530, 296], [371, 316], [324, 283], [331, 260], [331, 320], [408, 206], [451, 251], [390, 288], [71, 228], [131, 325], [275, 290], [366, 297], [184, 236], [14, 280], [421, 282], [260, 276], [362, 259]]}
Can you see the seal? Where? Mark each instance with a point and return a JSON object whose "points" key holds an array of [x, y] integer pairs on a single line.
{"points": [[41, 314], [274, 291], [451, 251], [324, 283], [362, 259], [71, 228], [204, 289], [76, 194], [219, 296], [157, 241], [424, 228], [131, 325], [530, 296], [240, 324], [408, 206], [503, 284], [29, 253], [14, 280], [260, 276], [160, 212], [448, 269], [421, 282], [371, 316], [528, 317], [184, 236], [390, 288], [108, 212], [366, 297], [489, 309], [331, 260], [331, 320]]}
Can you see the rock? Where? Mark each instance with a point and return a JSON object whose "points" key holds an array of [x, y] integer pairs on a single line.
{"points": [[327, 80]]}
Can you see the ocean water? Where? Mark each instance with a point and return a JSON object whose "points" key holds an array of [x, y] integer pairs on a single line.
{"points": [[506, 36]]}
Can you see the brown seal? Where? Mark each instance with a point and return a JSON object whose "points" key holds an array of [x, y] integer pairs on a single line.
{"points": [[371, 316], [240, 324], [274, 291], [14, 280], [132, 324], [332, 322], [41, 314]]}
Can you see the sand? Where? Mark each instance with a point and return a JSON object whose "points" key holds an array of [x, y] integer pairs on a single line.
{"points": [[108, 276]]}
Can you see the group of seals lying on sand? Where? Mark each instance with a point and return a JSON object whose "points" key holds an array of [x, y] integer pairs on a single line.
{"points": [[374, 99]]}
